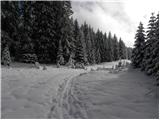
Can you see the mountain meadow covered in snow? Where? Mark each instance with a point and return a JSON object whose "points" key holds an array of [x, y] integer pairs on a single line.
{"points": [[53, 65]]}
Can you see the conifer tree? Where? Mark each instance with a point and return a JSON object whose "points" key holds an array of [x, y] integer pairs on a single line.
{"points": [[9, 27], [6, 60], [138, 51], [79, 55], [60, 58], [27, 53], [115, 48], [155, 50], [129, 53], [122, 49], [106, 47], [44, 29], [149, 45], [110, 47]]}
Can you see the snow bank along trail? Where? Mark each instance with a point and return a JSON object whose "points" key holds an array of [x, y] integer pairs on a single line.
{"points": [[100, 94]]}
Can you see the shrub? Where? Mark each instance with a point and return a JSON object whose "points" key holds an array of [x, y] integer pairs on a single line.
{"points": [[79, 65], [28, 58], [6, 59]]}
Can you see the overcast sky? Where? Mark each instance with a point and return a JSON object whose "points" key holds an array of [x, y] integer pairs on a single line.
{"points": [[121, 17]]}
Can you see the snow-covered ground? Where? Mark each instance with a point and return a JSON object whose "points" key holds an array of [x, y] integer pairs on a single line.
{"points": [[30, 92], [99, 94], [58, 93]]}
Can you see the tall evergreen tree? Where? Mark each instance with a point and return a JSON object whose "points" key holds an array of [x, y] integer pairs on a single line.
{"points": [[79, 55], [27, 53], [138, 51], [122, 49], [106, 47], [63, 28], [9, 28], [44, 29], [115, 48], [148, 47], [110, 47], [155, 50], [129, 53]]}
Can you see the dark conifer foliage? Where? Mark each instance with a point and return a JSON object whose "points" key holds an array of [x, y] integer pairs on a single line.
{"points": [[115, 48], [110, 47], [9, 27], [138, 51], [146, 53], [44, 31], [122, 49]]}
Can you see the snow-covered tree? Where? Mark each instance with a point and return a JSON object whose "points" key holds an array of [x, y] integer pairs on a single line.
{"points": [[6, 59]]}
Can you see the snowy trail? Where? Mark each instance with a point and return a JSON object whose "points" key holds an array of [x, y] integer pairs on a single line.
{"points": [[30, 93], [59, 93], [100, 94], [33, 93]]}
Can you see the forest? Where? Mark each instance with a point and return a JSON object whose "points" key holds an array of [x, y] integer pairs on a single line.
{"points": [[55, 64], [145, 54], [45, 32]]}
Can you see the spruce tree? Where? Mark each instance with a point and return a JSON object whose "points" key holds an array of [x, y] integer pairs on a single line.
{"points": [[9, 27], [129, 53], [93, 46], [106, 48], [67, 31], [155, 50], [122, 49], [27, 53], [98, 54], [60, 58], [110, 47], [72, 47], [44, 30], [79, 55], [6, 60], [138, 51], [149, 45], [115, 48]]}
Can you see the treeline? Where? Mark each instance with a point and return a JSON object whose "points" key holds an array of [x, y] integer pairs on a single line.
{"points": [[45, 32], [146, 49]]}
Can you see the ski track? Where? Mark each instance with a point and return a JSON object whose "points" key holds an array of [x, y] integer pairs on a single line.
{"points": [[30, 93], [58, 93], [101, 95]]}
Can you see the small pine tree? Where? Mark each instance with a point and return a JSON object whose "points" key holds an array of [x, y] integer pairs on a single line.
{"points": [[6, 59]]}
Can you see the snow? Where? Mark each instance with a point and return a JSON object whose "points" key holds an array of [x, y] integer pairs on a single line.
{"points": [[72, 93], [28, 93], [102, 95]]}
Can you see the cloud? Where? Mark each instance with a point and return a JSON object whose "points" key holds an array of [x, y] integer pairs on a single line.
{"points": [[121, 18]]}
